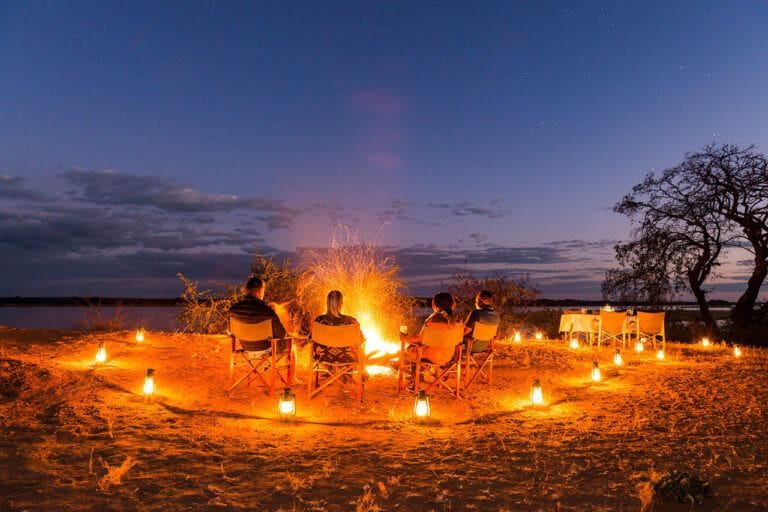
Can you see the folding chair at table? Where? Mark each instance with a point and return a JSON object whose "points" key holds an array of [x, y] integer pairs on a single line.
{"points": [[349, 371], [413, 361], [267, 365], [613, 327], [651, 325], [479, 358]]}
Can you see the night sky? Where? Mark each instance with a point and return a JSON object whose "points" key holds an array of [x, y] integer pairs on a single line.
{"points": [[138, 140]]}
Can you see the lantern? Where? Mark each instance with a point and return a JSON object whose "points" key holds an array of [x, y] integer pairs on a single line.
{"points": [[403, 329], [101, 353], [617, 359], [517, 338], [574, 343], [139, 335], [538, 336], [286, 406], [537, 397], [596, 376], [639, 346], [736, 351], [660, 354], [421, 408], [149, 383], [704, 342]]}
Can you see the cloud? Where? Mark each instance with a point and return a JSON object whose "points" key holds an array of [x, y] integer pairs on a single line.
{"points": [[14, 188], [465, 209], [120, 189]]}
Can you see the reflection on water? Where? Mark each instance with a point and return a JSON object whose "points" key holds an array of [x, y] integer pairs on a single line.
{"points": [[70, 317]]}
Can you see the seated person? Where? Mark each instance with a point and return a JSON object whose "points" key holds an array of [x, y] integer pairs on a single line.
{"points": [[253, 310], [443, 306], [483, 313], [333, 316]]}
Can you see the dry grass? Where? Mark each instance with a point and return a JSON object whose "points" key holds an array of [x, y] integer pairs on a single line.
{"points": [[72, 434]]}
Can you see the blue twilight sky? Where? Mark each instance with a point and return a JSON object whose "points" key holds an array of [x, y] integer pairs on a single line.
{"points": [[140, 139]]}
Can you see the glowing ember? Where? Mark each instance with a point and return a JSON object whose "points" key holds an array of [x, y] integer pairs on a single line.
{"points": [[574, 343]]}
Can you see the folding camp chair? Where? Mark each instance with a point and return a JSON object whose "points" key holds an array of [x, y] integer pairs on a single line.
{"points": [[267, 365], [326, 372], [613, 327], [479, 360], [413, 361], [651, 325]]}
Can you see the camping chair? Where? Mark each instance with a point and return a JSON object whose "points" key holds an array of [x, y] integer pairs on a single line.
{"points": [[652, 326], [480, 353], [325, 373], [437, 336], [267, 365], [613, 327]]}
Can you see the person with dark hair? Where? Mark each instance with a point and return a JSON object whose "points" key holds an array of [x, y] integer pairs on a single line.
{"points": [[443, 312], [333, 316], [253, 310], [483, 313]]}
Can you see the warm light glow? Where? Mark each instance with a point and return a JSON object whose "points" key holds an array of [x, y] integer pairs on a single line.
{"points": [[149, 383], [639, 346], [517, 338], [403, 329], [539, 336], [375, 345], [537, 397], [596, 375], [736, 351], [704, 342], [617, 359], [286, 407], [101, 353], [574, 343], [660, 355], [139, 335], [421, 408]]}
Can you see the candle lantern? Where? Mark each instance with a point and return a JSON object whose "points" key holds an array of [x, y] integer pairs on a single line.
{"points": [[617, 359], [736, 351], [421, 408], [537, 397], [639, 346], [403, 329], [101, 353], [517, 338], [660, 354], [574, 343], [538, 335], [149, 383], [705, 342], [286, 406], [596, 376], [139, 335]]}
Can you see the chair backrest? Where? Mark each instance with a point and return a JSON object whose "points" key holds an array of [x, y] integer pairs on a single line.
{"points": [[650, 323], [348, 335], [612, 322], [442, 335], [484, 332], [250, 332]]}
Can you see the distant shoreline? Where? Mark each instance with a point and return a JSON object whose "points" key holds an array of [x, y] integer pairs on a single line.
{"points": [[172, 302]]}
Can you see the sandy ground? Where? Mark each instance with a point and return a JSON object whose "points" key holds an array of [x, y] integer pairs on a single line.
{"points": [[81, 437]]}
